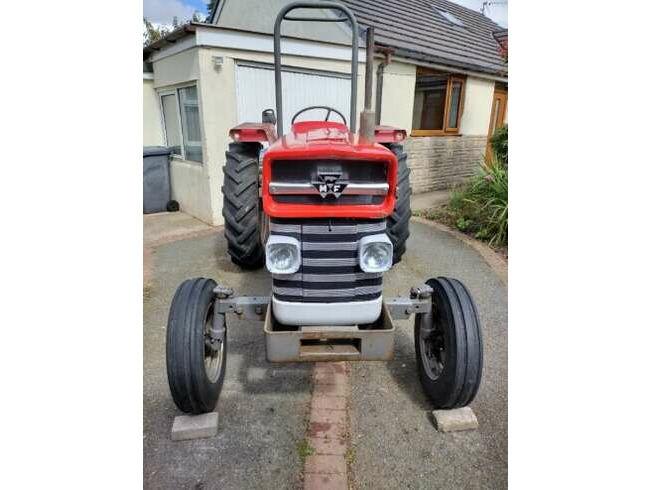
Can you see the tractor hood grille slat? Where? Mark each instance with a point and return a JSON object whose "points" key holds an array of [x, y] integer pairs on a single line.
{"points": [[292, 188]]}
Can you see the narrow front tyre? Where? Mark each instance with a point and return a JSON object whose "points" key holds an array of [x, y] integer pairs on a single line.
{"points": [[449, 345], [196, 347]]}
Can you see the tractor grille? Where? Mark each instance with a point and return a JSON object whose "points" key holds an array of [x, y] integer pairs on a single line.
{"points": [[328, 200], [292, 181], [330, 271]]}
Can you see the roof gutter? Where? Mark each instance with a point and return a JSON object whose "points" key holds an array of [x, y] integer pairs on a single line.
{"points": [[437, 66], [170, 38]]}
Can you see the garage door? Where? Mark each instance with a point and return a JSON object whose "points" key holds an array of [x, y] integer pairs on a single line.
{"points": [[256, 92]]}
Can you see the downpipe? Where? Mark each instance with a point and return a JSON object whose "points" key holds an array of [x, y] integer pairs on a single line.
{"points": [[380, 82]]}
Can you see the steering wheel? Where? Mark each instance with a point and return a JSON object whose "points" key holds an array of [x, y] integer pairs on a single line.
{"points": [[327, 117]]}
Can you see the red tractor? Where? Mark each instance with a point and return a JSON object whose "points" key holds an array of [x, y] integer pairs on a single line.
{"points": [[327, 213]]}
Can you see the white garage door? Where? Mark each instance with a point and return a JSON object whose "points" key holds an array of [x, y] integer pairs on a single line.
{"points": [[256, 92]]}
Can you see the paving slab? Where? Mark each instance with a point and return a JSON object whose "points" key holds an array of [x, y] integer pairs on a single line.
{"points": [[455, 419], [187, 427]]}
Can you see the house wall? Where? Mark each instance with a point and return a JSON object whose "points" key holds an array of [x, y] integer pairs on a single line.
{"points": [[152, 133], [190, 181], [398, 95], [176, 69], [478, 107], [439, 162]]}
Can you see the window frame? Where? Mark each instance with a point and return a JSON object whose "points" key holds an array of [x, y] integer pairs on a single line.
{"points": [[175, 92], [446, 130], [166, 93], [185, 140]]}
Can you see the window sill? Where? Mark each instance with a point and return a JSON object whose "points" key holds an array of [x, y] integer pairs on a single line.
{"points": [[180, 159]]}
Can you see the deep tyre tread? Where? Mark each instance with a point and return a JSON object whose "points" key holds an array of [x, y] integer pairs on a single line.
{"points": [[397, 225], [191, 389], [241, 205], [456, 314]]}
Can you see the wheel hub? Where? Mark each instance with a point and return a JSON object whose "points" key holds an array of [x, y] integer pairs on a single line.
{"points": [[213, 349], [432, 344]]}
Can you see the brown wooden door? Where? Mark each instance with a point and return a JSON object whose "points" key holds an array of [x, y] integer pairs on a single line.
{"points": [[499, 106]]}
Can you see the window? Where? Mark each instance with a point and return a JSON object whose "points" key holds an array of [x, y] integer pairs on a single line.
{"points": [[451, 18], [182, 124], [191, 124], [170, 118], [438, 103], [454, 104]]}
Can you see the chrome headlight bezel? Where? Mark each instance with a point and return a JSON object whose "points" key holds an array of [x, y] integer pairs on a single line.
{"points": [[278, 241], [381, 241]]}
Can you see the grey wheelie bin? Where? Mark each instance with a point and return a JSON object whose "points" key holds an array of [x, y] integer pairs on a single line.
{"points": [[156, 180]]}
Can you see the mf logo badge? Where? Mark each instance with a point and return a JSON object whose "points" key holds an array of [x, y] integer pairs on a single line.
{"points": [[328, 184]]}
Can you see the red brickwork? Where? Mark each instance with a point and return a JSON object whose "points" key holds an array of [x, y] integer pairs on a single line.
{"points": [[328, 432]]}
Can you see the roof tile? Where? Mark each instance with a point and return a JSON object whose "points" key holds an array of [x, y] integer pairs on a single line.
{"points": [[415, 29]]}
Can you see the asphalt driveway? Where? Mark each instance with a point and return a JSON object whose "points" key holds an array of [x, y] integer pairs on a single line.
{"points": [[263, 407]]}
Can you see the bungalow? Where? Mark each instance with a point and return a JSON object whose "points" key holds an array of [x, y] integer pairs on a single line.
{"points": [[440, 74]]}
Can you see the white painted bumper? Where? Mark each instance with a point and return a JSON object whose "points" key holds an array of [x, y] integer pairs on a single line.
{"points": [[352, 313]]}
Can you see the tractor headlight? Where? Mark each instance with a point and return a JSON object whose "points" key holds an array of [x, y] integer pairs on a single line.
{"points": [[375, 253], [282, 254]]}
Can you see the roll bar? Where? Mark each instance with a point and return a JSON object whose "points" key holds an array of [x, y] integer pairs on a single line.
{"points": [[277, 53]]}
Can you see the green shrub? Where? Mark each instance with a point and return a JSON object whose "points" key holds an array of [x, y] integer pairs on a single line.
{"points": [[463, 223], [499, 143], [482, 234], [480, 206]]}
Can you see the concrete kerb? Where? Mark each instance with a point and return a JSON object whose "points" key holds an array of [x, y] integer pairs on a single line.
{"points": [[493, 259]]}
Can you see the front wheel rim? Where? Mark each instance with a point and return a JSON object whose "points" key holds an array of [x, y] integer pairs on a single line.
{"points": [[432, 348], [212, 353]]}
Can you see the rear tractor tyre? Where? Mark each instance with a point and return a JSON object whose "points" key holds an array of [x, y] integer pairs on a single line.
{"points": [[449, 345], [397, 224], [196, 362], [242, 208]]}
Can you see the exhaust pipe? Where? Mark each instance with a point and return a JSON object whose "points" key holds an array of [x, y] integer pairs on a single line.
{"points": [[367, 122]]}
